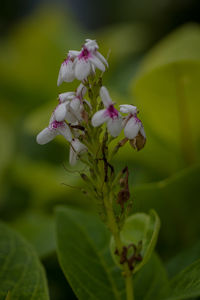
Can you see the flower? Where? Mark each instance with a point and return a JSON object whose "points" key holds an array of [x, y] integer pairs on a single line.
{"points": [[55, 128], [88, 60], [66, 72], [71, 107], [133, 128], [109, 115], [77, 148]]}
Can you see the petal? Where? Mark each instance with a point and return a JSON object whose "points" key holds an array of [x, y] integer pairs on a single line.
{"points": [[75, 104], [66, 132], [60, 112], [126, 108], [70, 116], [46, 135], [102, 58], [99, 118], [66, 96], [81, 91], [78, 146], [91, 45], [105, 97], [60, 75], [82, 69], [114, 126], [142, 131], [68, 72], [73, 53], [72, 156], [97, 63], [132, 128]]}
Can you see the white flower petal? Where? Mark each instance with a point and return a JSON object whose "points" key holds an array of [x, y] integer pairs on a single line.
{"points": [[68, 72], [105, 97], [72, 156], [99, 118], [132, 128], [91, 45], [73, 53], [114, 126], [97, 63], [66, 96], [60, 112], [82, 69], [81, 91], [142, 131], [102, 58], [70, 117], [75, 104], [66, 132], [76, 148], [46, 135], [126, 108]]}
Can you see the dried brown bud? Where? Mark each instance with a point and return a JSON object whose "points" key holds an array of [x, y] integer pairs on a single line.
{"points": [[138, 142]]}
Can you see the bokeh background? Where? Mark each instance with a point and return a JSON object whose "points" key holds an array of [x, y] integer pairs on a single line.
{"points": [[154, 64]]}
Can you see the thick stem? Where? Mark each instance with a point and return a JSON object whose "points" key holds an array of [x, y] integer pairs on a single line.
{"points": [[116, 234], [129, 288]]}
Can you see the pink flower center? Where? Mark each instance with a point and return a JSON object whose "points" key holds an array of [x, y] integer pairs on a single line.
{"points": [[55, 124], [85, 54], [137, 120], [112, 112]]}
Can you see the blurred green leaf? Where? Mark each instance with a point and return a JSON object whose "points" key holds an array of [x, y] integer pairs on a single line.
{"points": [[38, 229], [21, 273], [183, 259], [186, 284], [84, 256], [177, 197], [149, 281], [167, 90], [137, 228]]}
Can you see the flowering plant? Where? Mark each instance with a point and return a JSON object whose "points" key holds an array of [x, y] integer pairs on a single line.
{"points": [[90, 127]]}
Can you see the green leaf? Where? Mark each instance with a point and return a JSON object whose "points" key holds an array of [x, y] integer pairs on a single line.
{"points": [[21, 273], [183, 259], [38, 230], [139, 227], [167, 89], [85, 257], [172, 197], [186, 284], [150, 280]]}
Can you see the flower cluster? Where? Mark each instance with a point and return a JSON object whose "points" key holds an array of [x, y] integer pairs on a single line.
{"points": [[74, 115]]}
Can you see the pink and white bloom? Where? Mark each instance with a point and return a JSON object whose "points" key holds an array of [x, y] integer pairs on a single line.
{"points": [[76, 149], [70, 105], [55, 128], [133, 128], [88, 60], [109, 115], [66, 72]]}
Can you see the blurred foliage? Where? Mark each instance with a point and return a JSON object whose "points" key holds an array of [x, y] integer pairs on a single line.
{"points": [[164, 176]]}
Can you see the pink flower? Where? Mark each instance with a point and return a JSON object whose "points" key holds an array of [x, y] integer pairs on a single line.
{"points": [[109, 115], [133, 128], [88, 60], [55, 128]]}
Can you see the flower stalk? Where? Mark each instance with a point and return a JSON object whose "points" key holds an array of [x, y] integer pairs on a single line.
{"points": [[90, 122]]}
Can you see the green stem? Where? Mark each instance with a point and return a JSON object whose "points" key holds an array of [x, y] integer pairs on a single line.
{"points": [[129, 288], [115, 231]]}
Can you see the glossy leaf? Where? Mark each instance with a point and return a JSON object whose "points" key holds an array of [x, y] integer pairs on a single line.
{"points": [[150, 280], [177, 197], [38, 230], [137, 228], [21, 274], [85, 257], [167, 90], [186, 284]]}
